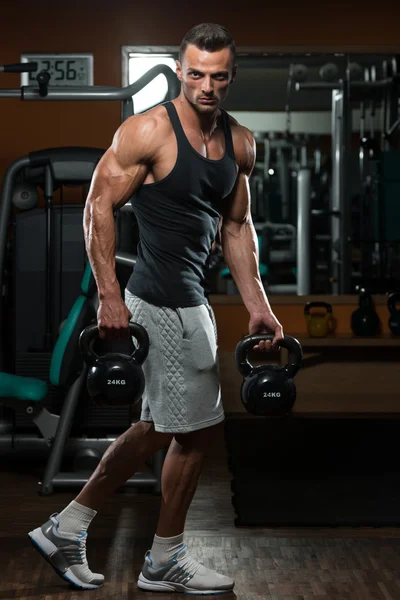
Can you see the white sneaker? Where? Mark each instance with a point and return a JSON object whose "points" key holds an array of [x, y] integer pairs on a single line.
{"points": [[183, 574], [66, 553]]}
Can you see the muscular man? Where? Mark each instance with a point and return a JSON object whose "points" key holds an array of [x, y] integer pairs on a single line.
{"points": [[186, 165]]}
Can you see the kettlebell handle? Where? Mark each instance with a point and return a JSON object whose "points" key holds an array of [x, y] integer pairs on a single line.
{"points": [[90, 333], [288, 342], [393, 299], [309, 305], [364, 300]]}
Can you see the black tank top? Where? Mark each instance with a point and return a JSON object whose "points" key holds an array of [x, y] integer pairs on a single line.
{"points": [[178, 218]]}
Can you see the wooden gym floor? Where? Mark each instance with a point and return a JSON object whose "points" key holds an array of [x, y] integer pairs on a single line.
{"points": [[276, 564]]}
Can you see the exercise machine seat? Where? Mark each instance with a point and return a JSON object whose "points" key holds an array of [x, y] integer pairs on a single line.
{"points": [[22, 388], [66, 360]]}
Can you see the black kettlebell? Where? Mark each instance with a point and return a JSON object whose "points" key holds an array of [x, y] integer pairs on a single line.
{"points": [[268, 390], [115, 378], [394, 319], [364, 320]]}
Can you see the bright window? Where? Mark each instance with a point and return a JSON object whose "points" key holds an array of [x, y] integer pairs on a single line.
{"points": [[156, 90]]}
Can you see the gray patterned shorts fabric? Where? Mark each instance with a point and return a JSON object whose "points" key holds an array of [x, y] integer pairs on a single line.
{"points": [[182, 391]]}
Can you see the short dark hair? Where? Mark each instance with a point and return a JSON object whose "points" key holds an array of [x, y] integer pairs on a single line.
{"points": [[210, 37]]}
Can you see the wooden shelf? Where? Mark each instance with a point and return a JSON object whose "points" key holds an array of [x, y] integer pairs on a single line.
{"points": [[322, 415], [287, 299], [347, 340]]}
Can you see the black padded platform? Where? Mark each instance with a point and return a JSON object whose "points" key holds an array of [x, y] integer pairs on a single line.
{"points": [[314, 471]]}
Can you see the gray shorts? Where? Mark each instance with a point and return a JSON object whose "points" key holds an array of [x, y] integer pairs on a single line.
{"points": [[182, 391]]}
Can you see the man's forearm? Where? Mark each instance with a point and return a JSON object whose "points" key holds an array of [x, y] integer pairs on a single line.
{"points": [[99, 230], [240, 248]]}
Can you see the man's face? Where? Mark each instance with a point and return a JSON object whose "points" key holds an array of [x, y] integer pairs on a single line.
{"points": [[205, 77]]}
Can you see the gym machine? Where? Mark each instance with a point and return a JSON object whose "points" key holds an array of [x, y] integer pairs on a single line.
{"points": [[44, 92], [318, 197], [280, 206], [345, 91], [53, 167]]}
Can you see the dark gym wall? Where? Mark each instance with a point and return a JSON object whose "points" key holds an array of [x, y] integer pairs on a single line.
{"points": [[103, 26]]}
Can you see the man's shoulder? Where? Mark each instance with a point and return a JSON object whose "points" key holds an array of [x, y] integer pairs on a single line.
{"points": [[242, 137], [240, 132], [152, 121], [140, 135]]}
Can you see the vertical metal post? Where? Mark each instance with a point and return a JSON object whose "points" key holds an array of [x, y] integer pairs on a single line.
{"points": [[303, 231], [62, 433], [127, 108], [267, 158], [340, 196], [317, 161], [284, 182], [345, 194], [303, 156], [48, 207], [337, 103]]}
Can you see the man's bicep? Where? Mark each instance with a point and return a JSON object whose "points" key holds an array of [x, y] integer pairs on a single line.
{"points": [[122, 169], [238, 209], [112, 184], [122, 178]]}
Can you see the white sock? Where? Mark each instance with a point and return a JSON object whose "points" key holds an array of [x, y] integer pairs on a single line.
{"points": [[164, 549], [75, 518]]}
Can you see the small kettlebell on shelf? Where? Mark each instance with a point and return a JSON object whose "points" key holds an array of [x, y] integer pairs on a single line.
{"points": [[318, 324], [364, 320], [394, 319]]}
